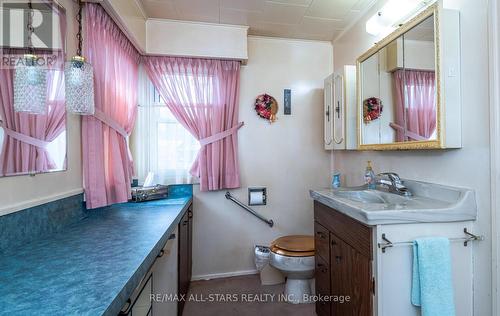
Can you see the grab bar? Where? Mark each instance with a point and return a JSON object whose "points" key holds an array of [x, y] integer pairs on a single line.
{"points": [[388, 244], [248, 209]]}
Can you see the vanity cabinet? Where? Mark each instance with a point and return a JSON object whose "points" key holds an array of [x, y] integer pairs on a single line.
{"points": [[340, 109], [350, 262], [343, 264]]}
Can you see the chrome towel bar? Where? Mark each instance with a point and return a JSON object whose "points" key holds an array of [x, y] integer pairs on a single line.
{"points": [[248, 209], [469, 237]]}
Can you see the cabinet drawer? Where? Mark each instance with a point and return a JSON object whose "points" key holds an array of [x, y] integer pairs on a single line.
{"points": [[355, 233], [321, 241]]}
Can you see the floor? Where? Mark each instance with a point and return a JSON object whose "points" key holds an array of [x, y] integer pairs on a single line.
{"points": [[240, 296]]}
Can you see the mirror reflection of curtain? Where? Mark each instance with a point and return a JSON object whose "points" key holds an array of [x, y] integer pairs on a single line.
{"points": [[26, 136], [415, 110]]}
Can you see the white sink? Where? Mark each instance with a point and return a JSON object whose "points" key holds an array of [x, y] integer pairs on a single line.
{"points": [[429, 203]]}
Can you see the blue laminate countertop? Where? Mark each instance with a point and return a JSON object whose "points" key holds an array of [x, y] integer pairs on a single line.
{"points": [[90, 267]]}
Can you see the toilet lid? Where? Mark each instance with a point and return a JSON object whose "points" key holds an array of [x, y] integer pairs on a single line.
{"points": [[294, 245]]}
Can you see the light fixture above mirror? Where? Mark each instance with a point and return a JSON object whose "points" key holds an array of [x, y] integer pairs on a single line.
{"points": [[388, 18]]}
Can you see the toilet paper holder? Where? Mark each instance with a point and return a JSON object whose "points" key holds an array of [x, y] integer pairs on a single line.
{"points": [[257, 196]]}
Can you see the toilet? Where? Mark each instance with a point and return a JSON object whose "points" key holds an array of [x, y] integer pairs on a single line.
{"points": [[294, 257]]}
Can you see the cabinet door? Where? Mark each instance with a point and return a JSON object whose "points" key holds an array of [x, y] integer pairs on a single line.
{"points": [[328, 118], [190, 243], [338, 112], [322, 277], [165, 277], [183, 259], [350, 277]]}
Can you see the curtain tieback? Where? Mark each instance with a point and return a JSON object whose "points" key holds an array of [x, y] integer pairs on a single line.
{"points": [[221, 135], [24, 138], [110, 122]]}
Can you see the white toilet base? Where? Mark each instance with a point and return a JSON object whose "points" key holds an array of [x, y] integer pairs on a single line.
{"points": [[296, 289]]}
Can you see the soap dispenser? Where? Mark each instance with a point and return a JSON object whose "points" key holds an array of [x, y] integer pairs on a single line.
{"points": [[369, 176]]}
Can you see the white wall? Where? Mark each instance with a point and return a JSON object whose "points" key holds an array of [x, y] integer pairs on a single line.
{"points": [[468, 167], [287, 157], [20, 192]]}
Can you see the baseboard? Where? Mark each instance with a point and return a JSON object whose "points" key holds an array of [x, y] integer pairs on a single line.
{"points": [[38, 201], [222, 275]]}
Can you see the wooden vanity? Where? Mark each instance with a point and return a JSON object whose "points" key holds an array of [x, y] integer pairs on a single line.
{"points": [[365, 270], [343, 263]]}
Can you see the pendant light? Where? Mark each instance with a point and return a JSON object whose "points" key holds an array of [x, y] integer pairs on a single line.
{"points": [[79, 78], [30, 78]]}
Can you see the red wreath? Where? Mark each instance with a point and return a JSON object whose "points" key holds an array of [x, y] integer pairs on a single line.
{"points": [[266, 107], [372, 109]]}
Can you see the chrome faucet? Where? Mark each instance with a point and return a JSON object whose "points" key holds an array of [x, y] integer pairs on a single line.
{"points": [[393, 183]]}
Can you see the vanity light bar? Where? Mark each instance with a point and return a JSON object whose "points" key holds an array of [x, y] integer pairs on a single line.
{"points": [[393, 12]]}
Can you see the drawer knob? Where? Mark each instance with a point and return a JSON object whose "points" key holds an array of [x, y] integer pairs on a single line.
{"points": [[322, 268], [321, 235]]}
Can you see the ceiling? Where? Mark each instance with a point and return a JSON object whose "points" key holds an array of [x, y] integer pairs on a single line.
{"points": [[306, 19]]}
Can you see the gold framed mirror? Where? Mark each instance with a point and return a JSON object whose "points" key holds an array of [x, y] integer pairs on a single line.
{"points": [[398, 89]]}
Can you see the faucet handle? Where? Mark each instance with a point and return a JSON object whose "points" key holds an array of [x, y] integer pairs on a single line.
{"points": [[391, 175]]}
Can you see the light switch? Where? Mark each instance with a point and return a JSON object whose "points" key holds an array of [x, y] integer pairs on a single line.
{"points": [[287, 101]]}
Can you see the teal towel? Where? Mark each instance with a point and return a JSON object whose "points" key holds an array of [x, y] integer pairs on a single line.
{"points": [[432, 285]]}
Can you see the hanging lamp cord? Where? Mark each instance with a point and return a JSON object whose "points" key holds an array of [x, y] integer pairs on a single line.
{"points": [[30, 28], [79, 36]]}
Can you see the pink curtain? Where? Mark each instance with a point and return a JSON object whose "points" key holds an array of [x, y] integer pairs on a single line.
{"points": [[26, 135], [415, 103], [203, 95], [399, 108], [107, 161]]}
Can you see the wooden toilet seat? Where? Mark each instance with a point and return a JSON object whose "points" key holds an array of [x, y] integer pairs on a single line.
{"points": [[294, 246]]}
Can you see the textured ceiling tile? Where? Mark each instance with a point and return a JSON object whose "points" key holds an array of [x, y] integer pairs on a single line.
{"points": [[283, 13], [293, 2], [239, 17], [363, 4], [307, 19], [272, 29], [248, 5], [320, 25], [317, 37], [160, 9], [198, 10], [329, 9]]}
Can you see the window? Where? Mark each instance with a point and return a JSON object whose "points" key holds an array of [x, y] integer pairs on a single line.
{"points": [[160, 143]]}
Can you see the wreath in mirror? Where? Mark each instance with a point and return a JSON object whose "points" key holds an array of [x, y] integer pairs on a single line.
{"points": [[372, 109], [266, 107]]}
